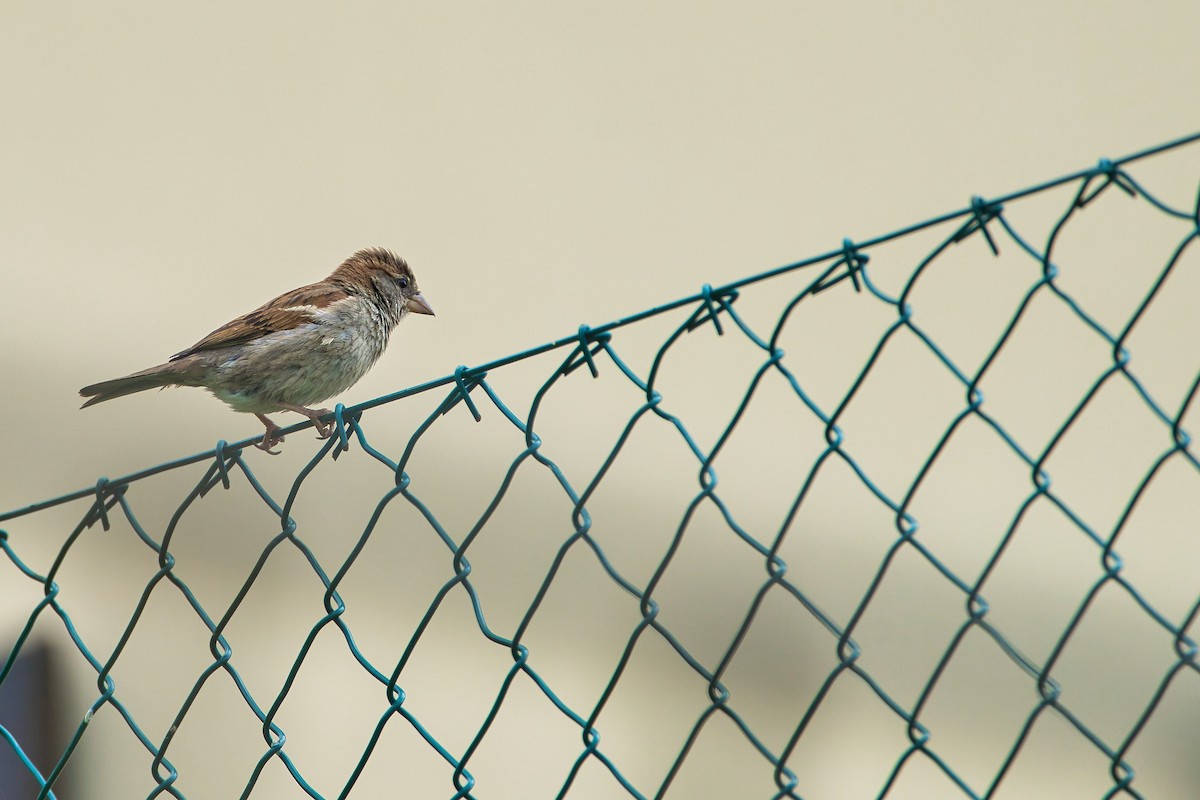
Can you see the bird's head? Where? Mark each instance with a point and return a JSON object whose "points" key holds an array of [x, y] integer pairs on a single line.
{"points": [[384, 277]]}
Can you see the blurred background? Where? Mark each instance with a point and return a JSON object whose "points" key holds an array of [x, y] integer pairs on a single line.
{"points": [[541, 166]]}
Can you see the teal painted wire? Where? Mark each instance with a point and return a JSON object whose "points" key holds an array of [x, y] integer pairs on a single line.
{"points": [[970, 211], [595, 348]]}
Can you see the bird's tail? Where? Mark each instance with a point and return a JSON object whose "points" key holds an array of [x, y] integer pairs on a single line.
{"points": [[176, 373]]}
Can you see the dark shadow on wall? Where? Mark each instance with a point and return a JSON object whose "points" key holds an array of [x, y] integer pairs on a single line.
{"points": [[30, 712]]}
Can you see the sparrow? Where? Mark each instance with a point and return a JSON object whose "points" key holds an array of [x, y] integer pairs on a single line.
{"points": [[299, 349]]}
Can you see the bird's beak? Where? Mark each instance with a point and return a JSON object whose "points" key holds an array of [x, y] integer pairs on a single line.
{"points": [[417, 304]]}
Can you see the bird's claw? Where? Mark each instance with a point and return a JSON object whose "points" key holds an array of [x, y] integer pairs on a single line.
{"points": [[324, 429], [269, 440]]}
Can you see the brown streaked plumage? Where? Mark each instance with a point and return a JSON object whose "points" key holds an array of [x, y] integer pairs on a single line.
{"points": [[303, 347]]}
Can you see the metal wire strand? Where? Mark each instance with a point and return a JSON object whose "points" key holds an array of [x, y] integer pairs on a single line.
{"points": [[714, 311]]}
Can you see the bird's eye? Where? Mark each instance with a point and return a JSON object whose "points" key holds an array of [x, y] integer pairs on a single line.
{"points": [[403, 283]]}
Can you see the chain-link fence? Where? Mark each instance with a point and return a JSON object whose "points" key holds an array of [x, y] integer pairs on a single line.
{"points": [[954, 550]]}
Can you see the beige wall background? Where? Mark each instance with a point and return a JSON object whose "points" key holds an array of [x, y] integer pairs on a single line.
{"points": [[542, 165]]}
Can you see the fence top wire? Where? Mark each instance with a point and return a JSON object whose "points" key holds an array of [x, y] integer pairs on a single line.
{"points": [[711, 305], [1108, 170]]}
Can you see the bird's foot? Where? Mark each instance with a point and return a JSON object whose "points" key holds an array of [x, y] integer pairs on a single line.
{"points": [[324, 429], [271, 438]]}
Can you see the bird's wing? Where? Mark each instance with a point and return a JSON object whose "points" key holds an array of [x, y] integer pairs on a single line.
{"points": [[291, 310]]}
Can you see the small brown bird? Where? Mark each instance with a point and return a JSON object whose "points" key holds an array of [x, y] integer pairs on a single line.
{"points": [[303, 347]]}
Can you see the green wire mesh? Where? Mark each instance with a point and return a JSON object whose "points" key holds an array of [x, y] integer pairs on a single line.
{"points": [[713, 312]]}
